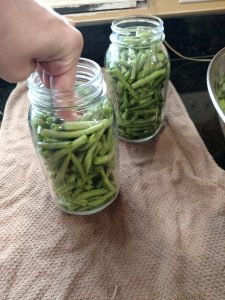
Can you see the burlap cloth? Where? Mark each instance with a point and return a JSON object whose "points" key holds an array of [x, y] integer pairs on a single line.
{"points": [[162, 239]]}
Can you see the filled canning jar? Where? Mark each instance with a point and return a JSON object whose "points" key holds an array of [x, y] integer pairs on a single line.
{"points": [[76, 140], [138, 69]]}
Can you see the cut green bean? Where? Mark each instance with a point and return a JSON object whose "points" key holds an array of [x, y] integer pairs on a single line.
{"points": [[64, 189], [69, 150], [77, 125], [100, 160], [106, 180], [142, 87], [119, 75], [62, 170], [73, 134], [148, 78], [101, 199], [57, 155], [54, 145], [92, 193], [80, 141], [78, 166]]}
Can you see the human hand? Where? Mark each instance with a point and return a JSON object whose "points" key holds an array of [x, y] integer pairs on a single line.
{"points": [[35, 37]]}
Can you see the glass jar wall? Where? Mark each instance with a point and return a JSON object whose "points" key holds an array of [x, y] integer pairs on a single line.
{"points": [[138, 69], [76, 140]]}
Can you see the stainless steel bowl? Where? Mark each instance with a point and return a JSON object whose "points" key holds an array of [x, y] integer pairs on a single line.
{"points": [[216, 68]]}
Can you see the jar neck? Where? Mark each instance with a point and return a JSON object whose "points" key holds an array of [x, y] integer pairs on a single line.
{"points": [[89, 88], [137, 32]]}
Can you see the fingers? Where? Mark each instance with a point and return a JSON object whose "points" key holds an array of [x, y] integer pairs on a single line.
{"points": [[64, 82], [44, 77], [66, 98]]}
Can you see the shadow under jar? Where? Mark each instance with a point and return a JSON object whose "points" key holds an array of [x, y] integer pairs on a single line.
{"points": [[138, 68], [76, 140]]}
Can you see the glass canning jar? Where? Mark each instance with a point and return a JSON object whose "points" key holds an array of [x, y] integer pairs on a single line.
{"points": [[76, 140], [138, 68]]}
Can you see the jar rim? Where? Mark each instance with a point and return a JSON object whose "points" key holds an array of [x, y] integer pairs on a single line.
{"points": [[158, 22], [143, 30], [39, 85], [88, 86]]}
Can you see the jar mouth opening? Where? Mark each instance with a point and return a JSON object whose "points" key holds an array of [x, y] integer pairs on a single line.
{"points": [[128, 25], [35, 81], [137, 31], [88, 85]]}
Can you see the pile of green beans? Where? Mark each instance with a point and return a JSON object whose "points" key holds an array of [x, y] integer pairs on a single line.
{"points": [[220, 91], [139, 72], [80, 157]]}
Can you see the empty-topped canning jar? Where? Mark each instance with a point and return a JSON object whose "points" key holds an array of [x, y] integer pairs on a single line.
{"points": [[138, 69], [76, 140]]}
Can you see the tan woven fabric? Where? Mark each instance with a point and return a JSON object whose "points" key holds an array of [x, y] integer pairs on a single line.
{"points": [[162, 239]]}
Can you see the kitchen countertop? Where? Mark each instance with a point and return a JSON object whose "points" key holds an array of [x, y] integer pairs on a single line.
{"points": [[195, 37], [199, 106]]}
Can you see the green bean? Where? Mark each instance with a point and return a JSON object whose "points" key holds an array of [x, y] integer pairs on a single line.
{"points": [[147, 66], [220, 90], [90, 152], [137, 122], [98, 149], [49, 140], [57, 155], [80, 156], [101, 199], [116, 73], [54, 145], [106, 180], [82, 202], [91, 193], [62, 170], [64, 189], [69, 153], [123, 55], [77, 125], [147, 106], [78, 166], [76, 193], [68, 205], [46, 153], [109, 140], [148, 78], [77, 143], [88, 187], [145, 112], [127, 77], [100, 160], [138, 130], [88, 158], [135, 67], [141, 133], [141, 61], [142, 87], [90, 142], [72, 178], [62, 152], [73, 134]]}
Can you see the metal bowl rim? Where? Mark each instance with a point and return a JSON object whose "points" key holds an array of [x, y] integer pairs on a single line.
{"points": [[210, 86]]}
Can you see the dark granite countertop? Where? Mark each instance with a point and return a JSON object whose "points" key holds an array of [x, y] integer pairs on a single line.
{"points": [[198, 36], [199, 106], [195, 36]]}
